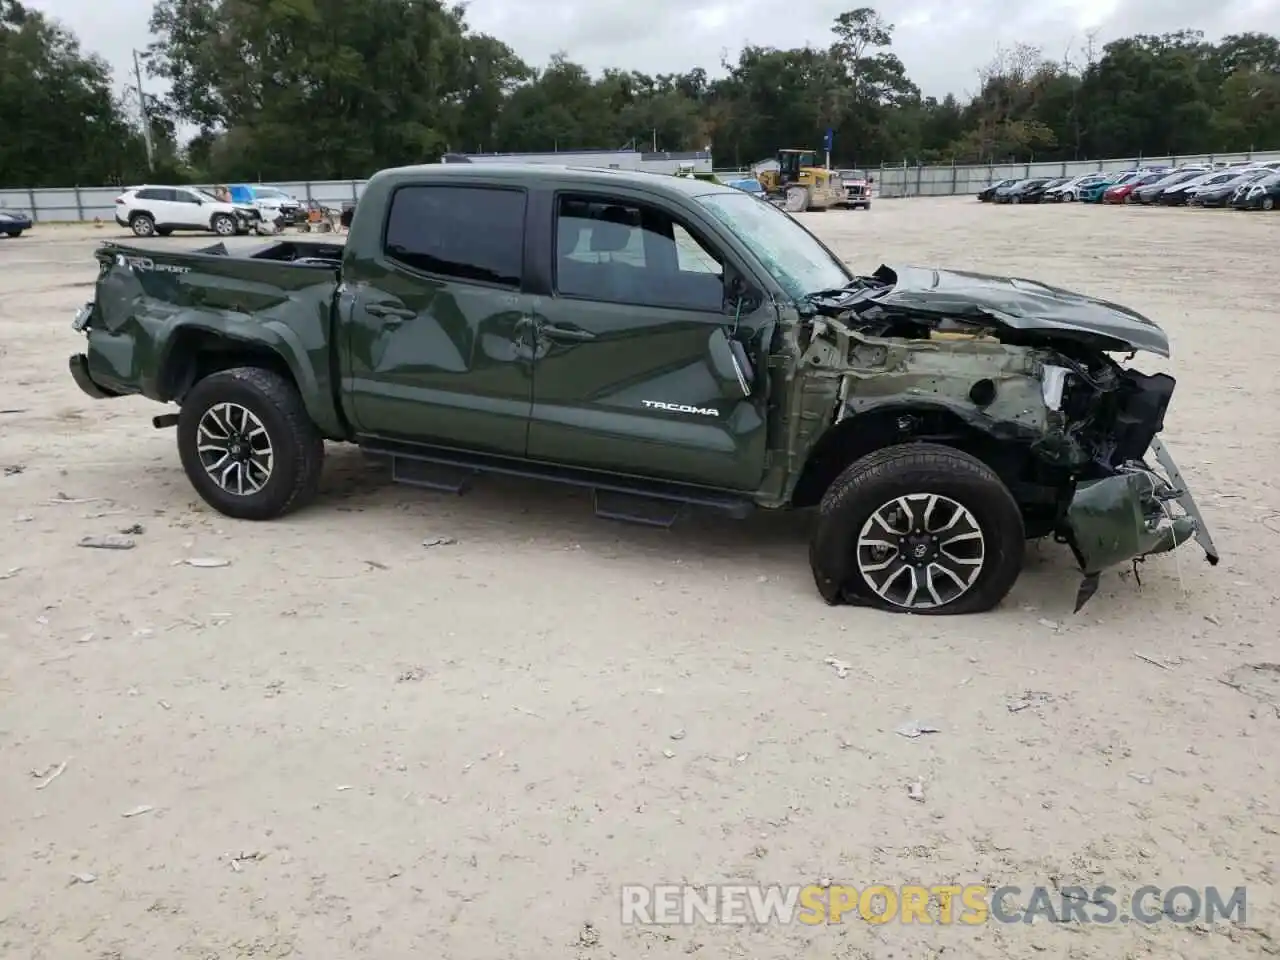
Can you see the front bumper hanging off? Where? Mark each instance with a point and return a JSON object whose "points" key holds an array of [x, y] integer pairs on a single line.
{"points": [[1127, 517]]}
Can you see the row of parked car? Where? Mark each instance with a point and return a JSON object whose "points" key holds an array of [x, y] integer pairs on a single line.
{"points": [[1244, 186]]}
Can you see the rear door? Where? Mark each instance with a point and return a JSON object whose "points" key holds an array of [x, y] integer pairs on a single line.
{"points": [[623, 379], [439, 320], [155, 201]]}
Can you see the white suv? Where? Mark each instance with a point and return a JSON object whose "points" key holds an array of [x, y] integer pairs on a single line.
{"points": [[149, 210]]}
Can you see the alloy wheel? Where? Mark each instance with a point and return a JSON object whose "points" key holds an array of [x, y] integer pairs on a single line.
{"points": [[921, 550], [235, 449]]}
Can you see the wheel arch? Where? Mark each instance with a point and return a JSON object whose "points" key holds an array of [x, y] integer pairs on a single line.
{"points": [[194, 352], [864, 433]]}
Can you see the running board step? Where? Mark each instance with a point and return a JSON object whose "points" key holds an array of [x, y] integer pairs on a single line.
{"points": [[432, 476], [629, 508], [616, 497]]}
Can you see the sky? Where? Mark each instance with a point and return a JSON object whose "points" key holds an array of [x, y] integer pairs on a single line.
{"points": [[943, 43]]}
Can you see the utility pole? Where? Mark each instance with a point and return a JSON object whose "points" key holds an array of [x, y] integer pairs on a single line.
{"points": [[146, 118]]}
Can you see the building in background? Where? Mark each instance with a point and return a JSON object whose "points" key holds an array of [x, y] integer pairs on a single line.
{"points": [[647, 162]]}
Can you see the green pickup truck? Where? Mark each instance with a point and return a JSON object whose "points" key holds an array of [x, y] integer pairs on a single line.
{"points": [[666, 342]]}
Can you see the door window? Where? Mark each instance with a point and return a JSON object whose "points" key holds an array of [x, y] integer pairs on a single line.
{"points": [[467, 233], [183, 196], [618, 251], [151, 194]]}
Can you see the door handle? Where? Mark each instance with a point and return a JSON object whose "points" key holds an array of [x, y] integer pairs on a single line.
{"points": [[387, 311], [553, 332]]}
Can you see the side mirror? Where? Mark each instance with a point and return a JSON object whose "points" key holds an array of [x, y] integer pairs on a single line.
{"points": [[730, 364]]}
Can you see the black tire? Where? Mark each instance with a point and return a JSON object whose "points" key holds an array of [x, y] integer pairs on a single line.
{"points": [[164, 231], [223, 224], [297, 449], [907, 470], [14, 234], [142, 225]]}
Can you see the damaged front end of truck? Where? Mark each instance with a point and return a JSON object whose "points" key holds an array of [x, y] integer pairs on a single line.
{"points": [[1020, 375]]}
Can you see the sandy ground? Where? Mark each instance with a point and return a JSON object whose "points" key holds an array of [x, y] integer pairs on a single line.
{"points": [[351, 745]]}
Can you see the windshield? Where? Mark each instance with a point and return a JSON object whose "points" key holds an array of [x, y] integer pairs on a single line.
{"points": [[791, 254]]}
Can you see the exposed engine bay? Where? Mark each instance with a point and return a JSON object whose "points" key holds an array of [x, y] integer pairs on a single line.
{"points": [[1021, 375]]}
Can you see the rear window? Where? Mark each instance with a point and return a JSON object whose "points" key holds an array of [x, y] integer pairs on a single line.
{"points": [[468, 233]]}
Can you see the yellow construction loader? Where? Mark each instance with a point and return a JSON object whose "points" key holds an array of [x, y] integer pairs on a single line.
{"points": [[799, 184]]}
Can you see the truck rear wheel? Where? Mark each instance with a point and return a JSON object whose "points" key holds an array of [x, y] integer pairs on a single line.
{"points": [[918, 528], [247, 444]]}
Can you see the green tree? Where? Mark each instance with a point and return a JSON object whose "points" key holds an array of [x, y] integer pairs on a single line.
{"points": [[61, 124]]}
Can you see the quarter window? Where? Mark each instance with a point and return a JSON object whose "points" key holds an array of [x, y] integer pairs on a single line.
{"points": [[469, 233], [618, 251]]}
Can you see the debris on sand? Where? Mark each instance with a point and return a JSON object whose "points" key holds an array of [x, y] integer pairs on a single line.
{"points": [[841, 667], [1031, 698], [10, 573], [138, 811], [588, 936], [62, 498], [915, 790], [438, 541], [13, 469], [203, 562], [110, 542], [82, 878], [48, 776], [135, 529], [1261, 681], [911, 730]]}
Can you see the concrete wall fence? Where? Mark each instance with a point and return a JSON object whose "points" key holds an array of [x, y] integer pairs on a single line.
{"points": [[71, 204]]}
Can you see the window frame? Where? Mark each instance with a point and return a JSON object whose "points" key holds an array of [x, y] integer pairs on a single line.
{"points": [[596, 194], [398, 264]]}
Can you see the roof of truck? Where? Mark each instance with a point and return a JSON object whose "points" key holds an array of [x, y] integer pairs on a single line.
{"points": [[540, 172]]}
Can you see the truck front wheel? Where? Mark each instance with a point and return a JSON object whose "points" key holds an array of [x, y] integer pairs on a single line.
{"points": [[247, 444], [918, 528]]}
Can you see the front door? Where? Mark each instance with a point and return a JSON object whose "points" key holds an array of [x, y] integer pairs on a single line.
{"points": [[185, 210], [623, 379], [438, 321]]}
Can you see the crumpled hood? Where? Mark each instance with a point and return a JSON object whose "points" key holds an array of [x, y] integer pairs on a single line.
{"points": [[1021, 305]]}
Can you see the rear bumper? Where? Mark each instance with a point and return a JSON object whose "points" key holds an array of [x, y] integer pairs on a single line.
{"points": [[79, 364]]}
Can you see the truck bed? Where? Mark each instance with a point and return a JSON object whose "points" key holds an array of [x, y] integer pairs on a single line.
{"points": [[154, 309]]}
